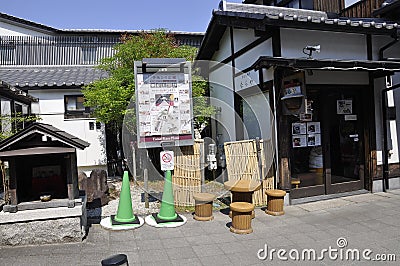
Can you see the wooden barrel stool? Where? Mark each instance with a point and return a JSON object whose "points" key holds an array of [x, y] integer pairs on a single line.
{"points": [[295, 182], [203, 206], [275, 202], [241, 217]]}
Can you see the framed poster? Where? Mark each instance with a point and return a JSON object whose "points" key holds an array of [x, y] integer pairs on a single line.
{"points": [[344, 107], [313, 140], [313, 127], [299, 128], [299, 141]]}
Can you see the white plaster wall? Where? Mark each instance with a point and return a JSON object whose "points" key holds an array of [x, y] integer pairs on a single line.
{"points": [[225, 47], [379, 41], [395, 125], [222, 96], [334, 45], [7, 29], [51, 111], [241, 39]]}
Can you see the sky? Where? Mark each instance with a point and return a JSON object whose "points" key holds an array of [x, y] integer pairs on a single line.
{"points": [[174, 15]]}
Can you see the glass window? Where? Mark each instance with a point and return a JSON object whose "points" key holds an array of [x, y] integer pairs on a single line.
{"points": [[348, 3], [74, 107], [6, 125], [307, 4], [74, 103], [294, 4]]}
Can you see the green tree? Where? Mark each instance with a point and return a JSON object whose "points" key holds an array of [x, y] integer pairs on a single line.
{"points": [[11, 124], [110, 96]]}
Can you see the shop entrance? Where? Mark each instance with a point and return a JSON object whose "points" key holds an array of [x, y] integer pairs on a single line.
{"points": [[343, 140], [330, 156]]}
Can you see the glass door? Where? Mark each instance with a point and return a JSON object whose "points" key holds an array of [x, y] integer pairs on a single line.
{"points": [[343, 140]]}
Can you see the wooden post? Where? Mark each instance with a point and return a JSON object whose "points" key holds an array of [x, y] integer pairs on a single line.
{"points": [[13, 182], [146, 187], [133, 161], [202, 165]]}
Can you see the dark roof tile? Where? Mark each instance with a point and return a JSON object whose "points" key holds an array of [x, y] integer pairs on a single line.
{"points": [[51, 76]]}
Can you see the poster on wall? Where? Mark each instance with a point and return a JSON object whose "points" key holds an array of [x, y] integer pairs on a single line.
{"points": [[313, 127], [299, 128], [313, 140], [299, 141], [344, 107]]}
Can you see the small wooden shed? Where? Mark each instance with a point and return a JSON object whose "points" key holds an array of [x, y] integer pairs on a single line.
{"points": [[41, 161]]}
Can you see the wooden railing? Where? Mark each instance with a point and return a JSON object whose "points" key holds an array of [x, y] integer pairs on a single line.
{"points": [[66, 50], [60, 50], [360, 9]]}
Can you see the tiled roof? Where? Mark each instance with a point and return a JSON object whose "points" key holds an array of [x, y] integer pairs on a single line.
{"points": [[302, 15], [14, 93], [50, 76], [47, 130]]}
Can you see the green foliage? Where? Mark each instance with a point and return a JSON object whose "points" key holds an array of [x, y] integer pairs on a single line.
{"points": [[12, 124], [110, 97]]}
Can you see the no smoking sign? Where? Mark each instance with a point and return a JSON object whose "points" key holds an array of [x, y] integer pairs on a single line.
{"points": [[167, 160]]}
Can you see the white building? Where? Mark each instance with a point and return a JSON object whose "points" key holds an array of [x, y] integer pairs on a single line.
{"points": [[53, 65], [276, 58]]}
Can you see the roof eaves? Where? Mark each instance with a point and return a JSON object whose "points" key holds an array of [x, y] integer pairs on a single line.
{"points": [[17, 94], [58, 134], [27, 23]]}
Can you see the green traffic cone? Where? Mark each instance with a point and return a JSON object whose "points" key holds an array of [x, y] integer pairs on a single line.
{"points": [[125, 212], [167, 209]]}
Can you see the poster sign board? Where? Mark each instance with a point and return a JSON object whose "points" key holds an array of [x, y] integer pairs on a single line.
{"points": [[167, 160], [164, 109], [306, 134]]}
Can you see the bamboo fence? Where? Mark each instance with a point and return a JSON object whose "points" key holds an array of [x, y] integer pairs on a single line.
{"points": [[187, 178], [242, 163]]}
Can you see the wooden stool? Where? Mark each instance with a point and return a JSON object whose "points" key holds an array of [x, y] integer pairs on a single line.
{"points": [[203, 206], [295, 182], [241, 217], [275, 202]]}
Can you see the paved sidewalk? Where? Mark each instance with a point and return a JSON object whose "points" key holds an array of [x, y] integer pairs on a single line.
{"points": [[366, 221]]}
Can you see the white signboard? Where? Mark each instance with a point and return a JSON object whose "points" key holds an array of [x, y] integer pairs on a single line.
{"points": [[164, 108], [167, 160]]}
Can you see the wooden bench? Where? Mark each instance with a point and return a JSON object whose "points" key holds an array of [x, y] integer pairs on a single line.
{"points": [[275, 198], [241, 217], [203, 206]]}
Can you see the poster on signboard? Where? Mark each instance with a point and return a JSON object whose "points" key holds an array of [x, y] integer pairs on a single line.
{"points": [[164, 108]]}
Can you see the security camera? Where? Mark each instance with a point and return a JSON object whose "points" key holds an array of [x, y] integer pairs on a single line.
{"points": [[309, 49]]}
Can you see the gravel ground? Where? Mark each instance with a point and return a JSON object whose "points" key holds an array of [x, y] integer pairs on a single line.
{"points": [[112, 207]]}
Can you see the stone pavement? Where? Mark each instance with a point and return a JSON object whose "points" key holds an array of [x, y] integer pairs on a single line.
{"points": [[348, 224]]}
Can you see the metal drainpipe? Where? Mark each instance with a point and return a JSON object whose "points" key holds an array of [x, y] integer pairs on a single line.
{"points": [[385, 152]]}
